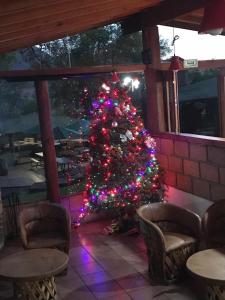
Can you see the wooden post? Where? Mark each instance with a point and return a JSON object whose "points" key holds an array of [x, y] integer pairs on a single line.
{"points": [[221, 102], [47, 139], [155, 107]]}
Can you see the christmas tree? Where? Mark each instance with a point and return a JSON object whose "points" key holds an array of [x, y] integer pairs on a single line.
{"points": [[124, 171]]}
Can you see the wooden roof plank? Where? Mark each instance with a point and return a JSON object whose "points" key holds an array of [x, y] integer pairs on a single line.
{"points": [[42, 34], [25, 23], [60, 9], [51, 25], [13, 6], [87, 15], [54, 7]]}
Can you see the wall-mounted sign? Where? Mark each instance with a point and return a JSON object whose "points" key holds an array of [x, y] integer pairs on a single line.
{"points": [[190, 63]]}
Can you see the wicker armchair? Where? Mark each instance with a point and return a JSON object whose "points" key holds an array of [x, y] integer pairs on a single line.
{"points": [[171, 235], [213, 225], [45, 225]]}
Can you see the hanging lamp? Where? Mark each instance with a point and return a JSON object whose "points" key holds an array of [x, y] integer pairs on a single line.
{"points": [[176, 61], [213, 21], [175, 66]]}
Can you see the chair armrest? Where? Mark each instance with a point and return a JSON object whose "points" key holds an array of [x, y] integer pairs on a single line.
{"points": [[153, 235], [23, 233], [188, 219], [66, 220]]}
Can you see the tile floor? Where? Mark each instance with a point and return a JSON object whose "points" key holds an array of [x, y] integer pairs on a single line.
{"points": [[106, 267]]}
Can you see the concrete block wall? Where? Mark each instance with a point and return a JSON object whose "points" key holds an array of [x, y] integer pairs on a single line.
{"points": [[193, 163]]}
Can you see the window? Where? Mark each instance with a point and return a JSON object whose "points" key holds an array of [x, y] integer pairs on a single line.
{"points": [[198, 96], [193, 102]]}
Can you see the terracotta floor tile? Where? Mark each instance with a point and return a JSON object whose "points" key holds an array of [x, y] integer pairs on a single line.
{"points": [[106, 289], [79, 257], [144, 293], [88, 268], [118, 296], [132, 282], [67, 285], [82, 293], [94, 278]]}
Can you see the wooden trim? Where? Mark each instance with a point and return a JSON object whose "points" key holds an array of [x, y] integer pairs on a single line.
{"points": [[155, 116], [221, 98], [189, 19], [202, 64], [176, 102], [183, 25], [67, 73], [168, 106], [47, 138], [192, 138]]}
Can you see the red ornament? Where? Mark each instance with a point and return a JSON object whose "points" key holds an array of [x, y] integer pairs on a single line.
{"points": [[118, 112], [115, 77], [116, 93], [69, 179]]}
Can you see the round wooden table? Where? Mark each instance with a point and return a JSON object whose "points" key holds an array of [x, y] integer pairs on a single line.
{"points": [[209, 266], [32, 272]]}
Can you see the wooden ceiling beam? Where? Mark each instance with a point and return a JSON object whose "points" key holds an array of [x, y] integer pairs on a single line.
{"points": [[67, 73], [164, 12], [70, 73], [182, 25], [189, 19], [169, 10]]}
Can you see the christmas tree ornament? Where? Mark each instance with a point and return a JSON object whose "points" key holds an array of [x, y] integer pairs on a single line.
{"points": [[129, 135], [150, 142], [123, 138], [115, 77], [118, 112], [114, 124]]}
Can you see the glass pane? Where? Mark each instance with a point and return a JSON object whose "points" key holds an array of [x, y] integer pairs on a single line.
{"points": [[101, 46], [71, 102], [198, 102], [22, 178]]}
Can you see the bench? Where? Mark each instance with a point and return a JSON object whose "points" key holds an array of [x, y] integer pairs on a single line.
{"points": [[35, 162]]}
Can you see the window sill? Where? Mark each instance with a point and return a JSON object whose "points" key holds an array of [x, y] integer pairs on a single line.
{"points": [[192, 138]]}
